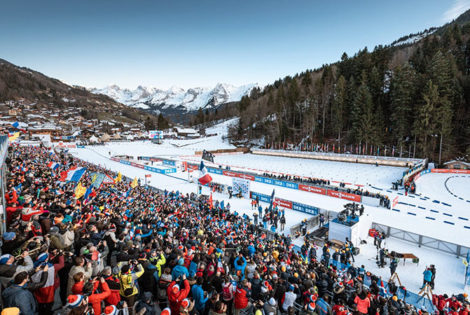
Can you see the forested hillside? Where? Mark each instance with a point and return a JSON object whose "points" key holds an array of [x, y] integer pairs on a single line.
{"points": [[404, 97]]}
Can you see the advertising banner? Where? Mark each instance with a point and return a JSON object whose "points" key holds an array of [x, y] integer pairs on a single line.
{"points": [[241, 185], [449, 171], [344, 195], [313, 189], [284, 203]]}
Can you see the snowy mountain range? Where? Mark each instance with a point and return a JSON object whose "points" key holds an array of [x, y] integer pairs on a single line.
{"points": [[176, 100]]}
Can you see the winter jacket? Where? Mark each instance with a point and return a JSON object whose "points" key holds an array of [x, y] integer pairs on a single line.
{"points": [[128, 280], [16, 296], [73, 271], [323, 307], [270, 309], [45, 294], [158, 262], [198, 296], [362, 305], [179, 270], [175, 299], [427, 275], [114, 286], [96, 298], [7, 272], [148, 281], [241, 297], [250, 269], [192, 269], [241, 267], [289, 300]]}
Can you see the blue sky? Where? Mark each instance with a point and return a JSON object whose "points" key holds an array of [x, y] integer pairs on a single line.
{"points": [[190, 43]]}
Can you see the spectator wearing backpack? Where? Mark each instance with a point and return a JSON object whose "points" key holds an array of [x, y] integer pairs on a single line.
{"points": [[127, 278]]}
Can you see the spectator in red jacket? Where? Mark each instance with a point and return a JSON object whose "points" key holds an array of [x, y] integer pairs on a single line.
{"points": [[114, 285], [362, 302], [176, 296], [242, 295], [95, 299]]}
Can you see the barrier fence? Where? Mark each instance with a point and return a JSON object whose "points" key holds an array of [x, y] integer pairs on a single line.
{"points": [[409, 297], [287, 203], [146, 167], [440, 171], [339, 193], [4, 143], [335, 193]]}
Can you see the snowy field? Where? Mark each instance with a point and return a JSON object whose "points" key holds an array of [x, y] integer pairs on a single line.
{"points": [[412, 213], [170, 147], [361, 174]]}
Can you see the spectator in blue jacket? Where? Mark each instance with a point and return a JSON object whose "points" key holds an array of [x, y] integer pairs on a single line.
{"points": [[180, 270], [251, 249], [240, 266], [18, 295], [323, 308], [198, 295], [427, 276]]}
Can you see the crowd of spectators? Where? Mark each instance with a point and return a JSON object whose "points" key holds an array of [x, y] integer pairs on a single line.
{"points": [[124, 250]]}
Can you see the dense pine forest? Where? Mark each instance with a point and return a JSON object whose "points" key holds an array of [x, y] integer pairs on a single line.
{"points": [[405, 98]]}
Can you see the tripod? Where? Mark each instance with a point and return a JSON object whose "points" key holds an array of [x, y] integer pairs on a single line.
{"points": [[425, 291], [393, 277]]}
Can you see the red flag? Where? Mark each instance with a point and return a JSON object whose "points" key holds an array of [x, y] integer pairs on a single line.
{"points": [[211, 205]]}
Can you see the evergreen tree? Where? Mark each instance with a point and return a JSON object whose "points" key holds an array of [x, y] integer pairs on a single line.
{"points": [[402, 99], [425, 123], [338, 108]]}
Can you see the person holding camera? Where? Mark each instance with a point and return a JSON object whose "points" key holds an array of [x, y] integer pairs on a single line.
{"points": [[128, 276], [8, 268], [177, 295]]}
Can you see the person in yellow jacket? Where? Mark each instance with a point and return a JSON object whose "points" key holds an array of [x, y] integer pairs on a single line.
{"points": [[158, 261], [128, 275]]}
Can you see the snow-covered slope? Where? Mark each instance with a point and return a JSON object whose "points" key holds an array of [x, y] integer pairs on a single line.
{"points": [[175, 98]]}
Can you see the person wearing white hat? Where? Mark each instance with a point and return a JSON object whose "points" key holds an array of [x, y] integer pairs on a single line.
{"points": [[270, 308]]}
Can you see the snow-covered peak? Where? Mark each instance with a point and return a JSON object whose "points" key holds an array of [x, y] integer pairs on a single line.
{"points": [[175, 97]]}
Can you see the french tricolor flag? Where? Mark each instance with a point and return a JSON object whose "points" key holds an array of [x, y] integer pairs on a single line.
{"points": [[53, 165], [75, 174], [204, 178]]}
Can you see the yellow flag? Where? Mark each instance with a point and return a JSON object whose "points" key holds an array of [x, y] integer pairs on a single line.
{"points": [[465, 262], [134, 183], [79, 191], [118, 178], [14, 137]]}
